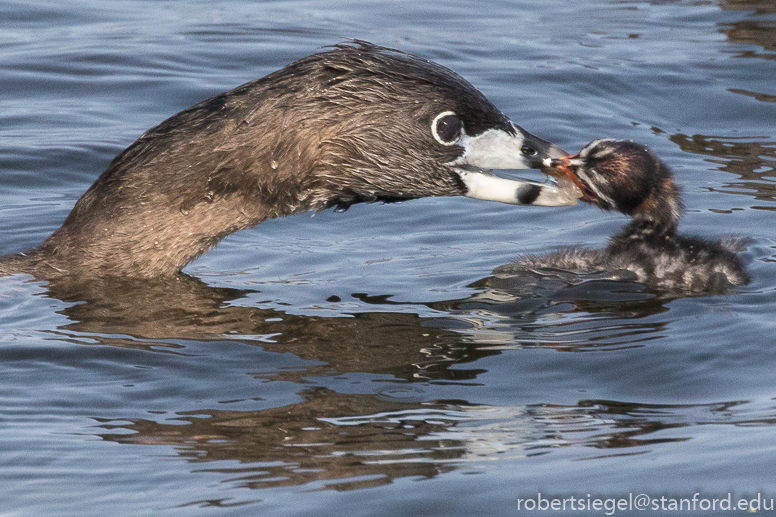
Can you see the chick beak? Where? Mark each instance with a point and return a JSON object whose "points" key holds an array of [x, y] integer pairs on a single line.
{"points": [[558, 167], [561, 169]]}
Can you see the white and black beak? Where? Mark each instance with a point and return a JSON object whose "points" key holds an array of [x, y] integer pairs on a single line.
{"points": [[516, 149]]}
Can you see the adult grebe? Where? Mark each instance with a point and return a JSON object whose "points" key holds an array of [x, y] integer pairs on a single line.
{"points": [[627, 177], [357, 123]]}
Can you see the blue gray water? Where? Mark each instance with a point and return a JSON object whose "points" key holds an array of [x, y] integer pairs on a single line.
{"points": [[365, 363]]}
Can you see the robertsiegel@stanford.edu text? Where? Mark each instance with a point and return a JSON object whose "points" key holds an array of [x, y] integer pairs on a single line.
{"points": [[610, 505]]}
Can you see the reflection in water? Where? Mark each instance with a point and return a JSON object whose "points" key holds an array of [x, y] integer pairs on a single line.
{"points": [[763, 97], [753, 160], [158, 314], [752, 31], [346, 442], [759, 7], [562, 312], [568, 312], [309, 442]]}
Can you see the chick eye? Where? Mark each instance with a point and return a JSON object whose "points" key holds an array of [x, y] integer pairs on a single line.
{"points": [[447, 128]]}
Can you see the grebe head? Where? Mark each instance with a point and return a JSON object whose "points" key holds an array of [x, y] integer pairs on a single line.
{"points": [[623, 176], [401, 127]]}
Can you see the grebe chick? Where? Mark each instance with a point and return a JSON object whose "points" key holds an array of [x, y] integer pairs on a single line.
{"points": [[357, 123], [627, 177]]}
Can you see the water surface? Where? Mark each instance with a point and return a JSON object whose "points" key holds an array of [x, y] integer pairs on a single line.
{"points": [[366, 363]]}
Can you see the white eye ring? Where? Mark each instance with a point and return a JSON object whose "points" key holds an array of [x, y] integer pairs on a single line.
{"points": [[434, 128]]}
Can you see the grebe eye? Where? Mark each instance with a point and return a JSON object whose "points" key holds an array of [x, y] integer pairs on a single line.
{"points": [[447, 128], [528, 151]]}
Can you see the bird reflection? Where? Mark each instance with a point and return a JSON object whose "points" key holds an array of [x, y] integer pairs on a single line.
{"points": [[378, 441], [514, 311], [295, 444]]}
